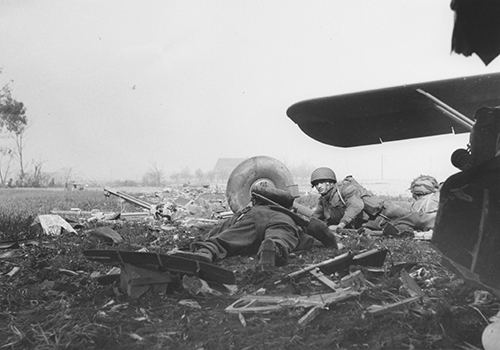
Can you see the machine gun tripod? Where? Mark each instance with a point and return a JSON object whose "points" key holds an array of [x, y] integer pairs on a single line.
{"points": [[159, 211]]}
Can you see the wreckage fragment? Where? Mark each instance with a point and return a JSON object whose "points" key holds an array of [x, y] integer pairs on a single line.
{"points": [[107, 234], [268, 303], [382, 309], [136, 281], [164, 262], [52, 225]]}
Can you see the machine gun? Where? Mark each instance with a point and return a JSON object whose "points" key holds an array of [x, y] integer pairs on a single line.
{"points": [[373, 257], [157, 210]]}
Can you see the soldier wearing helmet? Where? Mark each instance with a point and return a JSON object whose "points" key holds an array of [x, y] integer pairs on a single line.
{"points": [[348, 204], [340, 204], [422, 213]]}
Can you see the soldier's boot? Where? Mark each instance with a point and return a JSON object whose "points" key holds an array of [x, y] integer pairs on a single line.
{"points": [[319, 230], [271, 254]]}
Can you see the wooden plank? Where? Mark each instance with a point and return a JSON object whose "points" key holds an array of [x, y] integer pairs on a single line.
{"points": [[309, 316], [382, 309]]}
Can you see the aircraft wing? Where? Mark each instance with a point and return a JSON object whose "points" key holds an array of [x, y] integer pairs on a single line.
{"points": [[395, 113]]}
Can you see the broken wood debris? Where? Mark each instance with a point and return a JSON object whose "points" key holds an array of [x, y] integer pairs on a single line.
{"points": [[13, 271], [136, 281], [266, 303], [382, 309]]}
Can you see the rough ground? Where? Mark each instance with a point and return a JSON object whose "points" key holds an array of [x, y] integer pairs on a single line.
{"points": [[43, 307]]}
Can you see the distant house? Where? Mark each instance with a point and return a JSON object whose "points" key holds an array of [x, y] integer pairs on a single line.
{"points": [[224, 166]]}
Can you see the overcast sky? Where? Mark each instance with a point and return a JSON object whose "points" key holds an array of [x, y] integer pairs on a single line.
{"points": [[112, 87]]}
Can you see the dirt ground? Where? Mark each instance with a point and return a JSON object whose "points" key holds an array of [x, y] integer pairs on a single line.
{"points": [[45, 306]]}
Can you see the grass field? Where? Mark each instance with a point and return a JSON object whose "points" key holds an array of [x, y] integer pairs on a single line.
{"points": [[19, 207]]}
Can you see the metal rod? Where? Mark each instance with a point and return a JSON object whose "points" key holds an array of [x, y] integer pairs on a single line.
{"points": [[450, 112], [452, 116]]}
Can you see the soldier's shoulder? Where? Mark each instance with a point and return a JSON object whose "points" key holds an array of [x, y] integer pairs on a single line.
{"points": [[348, 189]]}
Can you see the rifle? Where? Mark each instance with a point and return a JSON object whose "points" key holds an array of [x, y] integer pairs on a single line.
{"points": [[340, 261], [299, 220], [312, 226]]}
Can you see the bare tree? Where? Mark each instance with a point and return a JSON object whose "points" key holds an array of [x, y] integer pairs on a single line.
{"points": [[14, 121], [37, 178], [6, 156], [67, 173], [154, 176]]}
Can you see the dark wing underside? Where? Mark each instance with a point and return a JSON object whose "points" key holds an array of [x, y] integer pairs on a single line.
{"points": [[395, 113]]}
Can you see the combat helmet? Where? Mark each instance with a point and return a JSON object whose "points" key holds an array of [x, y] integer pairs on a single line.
{"points": [[424, 184], [323, 174]]}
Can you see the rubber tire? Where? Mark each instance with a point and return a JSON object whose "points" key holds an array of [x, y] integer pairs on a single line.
{"points": [[251, 171]]}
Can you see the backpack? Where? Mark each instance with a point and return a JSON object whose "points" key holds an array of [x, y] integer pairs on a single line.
{"points": [[373, 205]]}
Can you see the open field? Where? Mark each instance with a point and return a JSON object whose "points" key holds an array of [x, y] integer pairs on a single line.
{"points": [[44, 306]]}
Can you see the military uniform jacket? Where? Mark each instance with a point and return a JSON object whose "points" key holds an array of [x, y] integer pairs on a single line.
{"points": [[244, 232], [341, 204]]}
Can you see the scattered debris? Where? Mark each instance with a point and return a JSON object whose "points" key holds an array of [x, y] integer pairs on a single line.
{"points": [[242, 320], [360, 274], [164, 262], [410, 285], [310, 316], [14, 270], [196, 286], [190, 303], [382, 309], [10, 254], [52, 225], [136, 336], [106, 234], [355, 280], [264, 304], [68, 272], [136, 281]]}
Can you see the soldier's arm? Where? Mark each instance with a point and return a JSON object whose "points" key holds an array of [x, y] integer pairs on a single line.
{"points": [[354, 204], [318, 211]]}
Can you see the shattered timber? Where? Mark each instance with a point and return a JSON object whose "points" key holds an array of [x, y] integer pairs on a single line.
{"points": [[389, 293]]}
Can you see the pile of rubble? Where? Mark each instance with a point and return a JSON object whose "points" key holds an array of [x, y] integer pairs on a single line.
{"points": [[171, 208]]}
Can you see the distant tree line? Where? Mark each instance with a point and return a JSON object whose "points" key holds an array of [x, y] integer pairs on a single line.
{"points": [[156, 177]]}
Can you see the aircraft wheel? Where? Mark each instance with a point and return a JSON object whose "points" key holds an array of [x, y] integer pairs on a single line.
{"points": [[253, 171]]}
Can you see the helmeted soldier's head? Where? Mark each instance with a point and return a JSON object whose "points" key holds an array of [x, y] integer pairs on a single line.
{"points": [[323, 179], [423, 185], [265, 194]]}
